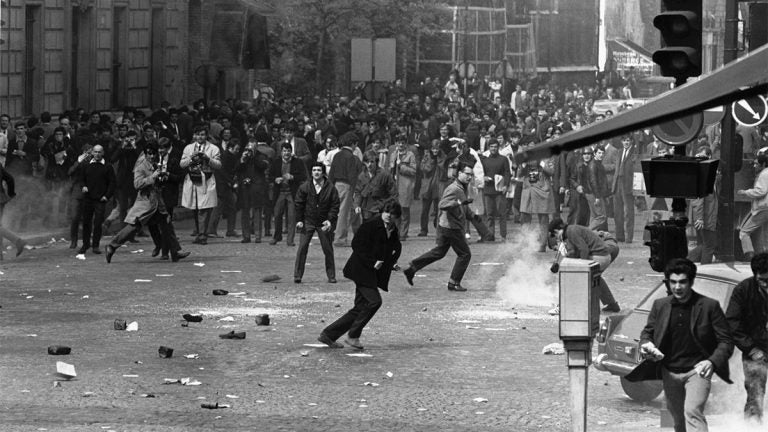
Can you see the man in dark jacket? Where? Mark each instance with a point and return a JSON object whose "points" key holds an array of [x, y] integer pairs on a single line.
{"points": [[98, 180], [685, 340], [253, 193], [6, 193], [747, 315], [288, 173], [317, 209], [376, 248]]}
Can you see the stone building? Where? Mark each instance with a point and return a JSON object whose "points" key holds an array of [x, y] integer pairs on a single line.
{"points": [[105, 54]]}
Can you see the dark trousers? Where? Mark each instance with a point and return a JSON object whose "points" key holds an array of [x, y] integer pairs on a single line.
{"points": [[250, 220], [447, 239], [706, 241], [166, 233], [157, 236], [285, 205], [226, 207], [367, 302], [579, 214], [755, 374], [93, 217], [428, 207], [496, 208], [75, 217], [624, 215], [326, 242]]}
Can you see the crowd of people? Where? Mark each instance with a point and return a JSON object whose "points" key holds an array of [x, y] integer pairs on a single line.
{"points": [[324, 165]]}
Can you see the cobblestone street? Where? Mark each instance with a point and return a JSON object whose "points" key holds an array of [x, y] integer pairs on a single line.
{"points": [[434, 356]]}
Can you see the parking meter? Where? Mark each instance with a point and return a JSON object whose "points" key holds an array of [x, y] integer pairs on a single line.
{"points": [[579, 321], [579, 303]]}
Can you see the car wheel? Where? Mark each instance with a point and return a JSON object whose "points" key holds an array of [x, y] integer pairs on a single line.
{"points": [[609, 113], [642, 391]]}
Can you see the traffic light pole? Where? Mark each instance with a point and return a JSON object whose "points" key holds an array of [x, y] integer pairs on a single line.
{"points": [[726, 209]]}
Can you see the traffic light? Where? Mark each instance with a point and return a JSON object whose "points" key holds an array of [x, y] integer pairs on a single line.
{"points": [[680, 26], [668, 241]]}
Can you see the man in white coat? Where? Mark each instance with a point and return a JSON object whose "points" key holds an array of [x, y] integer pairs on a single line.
{"points": [[200, 159]]}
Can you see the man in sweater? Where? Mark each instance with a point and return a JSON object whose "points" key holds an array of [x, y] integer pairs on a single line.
{"points": [[98, 180], [497, 174], [317, 209]]}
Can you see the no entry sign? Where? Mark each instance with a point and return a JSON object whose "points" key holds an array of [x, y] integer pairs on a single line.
{"points": [[679, 131]]}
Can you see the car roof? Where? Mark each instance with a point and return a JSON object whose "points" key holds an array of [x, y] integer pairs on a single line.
{"points": [[730, 271]]}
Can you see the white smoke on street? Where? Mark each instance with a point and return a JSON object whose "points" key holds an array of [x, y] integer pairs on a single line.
{"points": [[527, 280]]}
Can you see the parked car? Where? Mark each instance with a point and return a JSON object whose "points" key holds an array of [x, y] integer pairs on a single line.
{"points": [[614, 106], [618, 349]]}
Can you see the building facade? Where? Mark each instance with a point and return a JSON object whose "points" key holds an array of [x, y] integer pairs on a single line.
{"points": [[104, 54]]}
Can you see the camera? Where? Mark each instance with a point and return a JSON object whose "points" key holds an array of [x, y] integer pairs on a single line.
{"points": [[533, 176]]}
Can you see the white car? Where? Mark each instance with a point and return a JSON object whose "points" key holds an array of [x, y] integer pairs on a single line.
{"points": [[614, 106]]}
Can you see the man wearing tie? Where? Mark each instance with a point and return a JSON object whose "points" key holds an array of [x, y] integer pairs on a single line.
{"points": [[622, 168]]}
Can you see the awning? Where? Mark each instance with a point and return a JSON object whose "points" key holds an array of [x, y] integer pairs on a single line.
{"points": [[743, 78]]}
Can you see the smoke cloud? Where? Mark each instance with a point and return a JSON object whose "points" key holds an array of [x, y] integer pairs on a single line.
{"points": [[527, 280]]}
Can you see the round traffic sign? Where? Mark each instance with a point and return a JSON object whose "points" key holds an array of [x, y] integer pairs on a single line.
{"points": [[714, 115], [750, 112], [679, 131]]}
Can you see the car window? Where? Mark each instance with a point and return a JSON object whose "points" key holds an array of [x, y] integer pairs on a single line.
{"points": [[717, 289]]}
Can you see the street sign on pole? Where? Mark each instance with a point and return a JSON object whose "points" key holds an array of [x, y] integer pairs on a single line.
{"points": [[750, 112], [714, 115], [679, 131]]}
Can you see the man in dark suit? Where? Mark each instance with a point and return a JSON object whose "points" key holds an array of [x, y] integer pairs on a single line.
{"points": [[685, 341], [287, 173], [171, 176], [23, 152], [621, 165], [375, 250]]}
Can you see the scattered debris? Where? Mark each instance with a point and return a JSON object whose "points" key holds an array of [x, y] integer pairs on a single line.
{"points": [[213, 405], [59, 350], [56, 384], [164, 275], [220, 292], [192, 318], [359, 355], [199, 264], [262, 319], [480, 400], [621, 278], [165, 352], [304, 353], [147, 395], [370, 384], [137, 251], [238, 294], [227, 318], [270, 278], [142, 280], [183, 381], [65, 370], [120, 324], [472, 327], [389, 374], [86, 296], [233, 335], [130, 376], [192, 356], [554, 348], [80, 257], [133, 326], [232, 396], [231, 271], [89, 394]]}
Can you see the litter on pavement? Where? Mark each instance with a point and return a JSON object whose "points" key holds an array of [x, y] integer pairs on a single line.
{"points": [[554, 348], [270, 278], [65, 370], [359, 355], [133, 326], [479, 400], [200, 264]]}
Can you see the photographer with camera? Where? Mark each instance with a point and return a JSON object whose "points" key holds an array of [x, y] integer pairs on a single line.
{"points": [[149, 208], [454, 213], [536, 198], [252, 192], [200, 159]]}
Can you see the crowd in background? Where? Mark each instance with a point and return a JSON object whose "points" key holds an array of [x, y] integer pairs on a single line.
{"points": [[404, 146]]}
